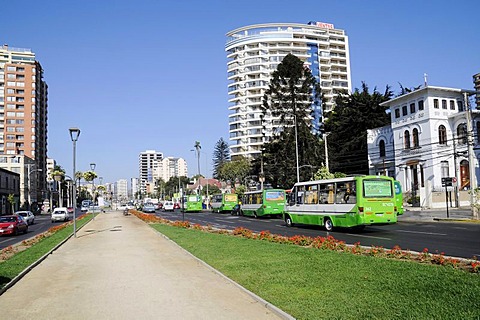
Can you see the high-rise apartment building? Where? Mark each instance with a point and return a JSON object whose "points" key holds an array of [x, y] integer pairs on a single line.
{"points": [[147, 163], [121, 190], [476, 85], [23, 109], [171, 167], [255, 51]]}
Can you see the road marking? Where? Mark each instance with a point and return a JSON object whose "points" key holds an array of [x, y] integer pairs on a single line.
{"points": [[5, 240], [364, 236], [420, 232]]}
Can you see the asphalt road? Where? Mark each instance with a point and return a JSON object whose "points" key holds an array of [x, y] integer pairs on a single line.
{"points": [[450, 238]]}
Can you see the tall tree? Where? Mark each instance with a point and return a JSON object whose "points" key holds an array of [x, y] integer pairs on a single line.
{"points": [[292, 94], [235, 170], [221, 155], [347, 125]]}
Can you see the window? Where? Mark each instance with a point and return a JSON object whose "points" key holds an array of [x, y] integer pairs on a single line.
{"points": [[452, 104], [442, 134], [381, 146], [460, 105], [326, 193], [397, 113], [345, 192], [435, 103], [478, 131], [444, 169], [406, 139], [420, 105], [415, 138], [404, 110], [462, 133], [444, 104], [412, 107]]}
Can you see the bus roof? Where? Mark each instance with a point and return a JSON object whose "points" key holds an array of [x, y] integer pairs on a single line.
{"points": [[345, 179]]}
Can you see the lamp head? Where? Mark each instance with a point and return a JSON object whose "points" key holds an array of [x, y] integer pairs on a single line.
{"points": [[74, 133], [92, 166]]}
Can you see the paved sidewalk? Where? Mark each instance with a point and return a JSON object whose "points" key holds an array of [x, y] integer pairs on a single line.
{"points": [[120, 268], [419, 214]]}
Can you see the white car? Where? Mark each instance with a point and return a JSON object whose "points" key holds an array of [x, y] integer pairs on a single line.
{"points": [[60, 214], [27, 216], [168, 206]]}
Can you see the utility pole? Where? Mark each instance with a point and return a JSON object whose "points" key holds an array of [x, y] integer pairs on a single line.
{"points": [[471, 158]]}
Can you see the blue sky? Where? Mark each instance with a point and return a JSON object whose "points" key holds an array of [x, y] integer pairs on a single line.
{"points": [[148, 74]]}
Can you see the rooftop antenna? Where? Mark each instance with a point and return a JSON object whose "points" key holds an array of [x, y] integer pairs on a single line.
{"points": [[425, 76]]}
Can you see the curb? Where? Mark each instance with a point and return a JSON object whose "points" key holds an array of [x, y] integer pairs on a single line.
{"points": [[262, 301], [36, 263]]}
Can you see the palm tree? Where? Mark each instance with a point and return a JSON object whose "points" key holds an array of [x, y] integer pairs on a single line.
{"points": [[198, 147]]}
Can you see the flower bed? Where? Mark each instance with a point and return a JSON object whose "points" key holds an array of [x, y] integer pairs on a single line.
{"points": [[328, 243]]}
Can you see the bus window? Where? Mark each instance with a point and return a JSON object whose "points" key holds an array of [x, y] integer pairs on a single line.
{"points": [[345, 193], [300, 194], [311, 194], [326, 193]]}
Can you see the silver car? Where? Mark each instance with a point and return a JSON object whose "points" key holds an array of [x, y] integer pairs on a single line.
{"points": [[28, 216]]}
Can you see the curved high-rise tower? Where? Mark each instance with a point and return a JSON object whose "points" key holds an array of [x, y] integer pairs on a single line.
{"points": [[255, 51]]}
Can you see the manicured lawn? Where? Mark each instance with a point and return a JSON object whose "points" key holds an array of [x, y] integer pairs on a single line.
{"points": [[320, 284], [15, 265]]}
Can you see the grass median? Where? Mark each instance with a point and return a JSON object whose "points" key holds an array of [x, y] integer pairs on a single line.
{"points": [[322, 284], [19, 261]]}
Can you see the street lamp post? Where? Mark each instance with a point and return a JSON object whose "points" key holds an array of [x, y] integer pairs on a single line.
{"points": [[74, 134], [92, 167]]}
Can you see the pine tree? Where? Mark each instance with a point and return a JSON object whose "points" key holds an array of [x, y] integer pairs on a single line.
{"points": [[221, 155]]}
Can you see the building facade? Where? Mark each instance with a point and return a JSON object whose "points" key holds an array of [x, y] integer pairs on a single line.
{"points": [[147, 164], [9, 185], [121, 190], [23, 108], [171, 167], [254, 52], [428, 140]]}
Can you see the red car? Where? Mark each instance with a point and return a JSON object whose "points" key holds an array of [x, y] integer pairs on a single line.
{"points": [[176, 205], [12, 225]]}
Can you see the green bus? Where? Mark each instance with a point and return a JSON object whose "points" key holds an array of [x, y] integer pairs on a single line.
{"points": [[355, 201], [267, 202], [192, 203], [223, 202], [398, 197]]}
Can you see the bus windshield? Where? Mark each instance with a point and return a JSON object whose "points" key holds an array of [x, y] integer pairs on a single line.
{"points": [[377, 188]]}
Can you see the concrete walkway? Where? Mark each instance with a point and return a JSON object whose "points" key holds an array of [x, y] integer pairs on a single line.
{"points": [[120, 268]]}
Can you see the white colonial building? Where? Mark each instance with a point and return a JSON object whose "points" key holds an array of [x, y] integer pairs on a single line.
{"points": [[427, 141]]}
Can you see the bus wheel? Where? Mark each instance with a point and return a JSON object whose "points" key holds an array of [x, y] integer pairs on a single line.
{"points": [[288, 221], [327, 223]]}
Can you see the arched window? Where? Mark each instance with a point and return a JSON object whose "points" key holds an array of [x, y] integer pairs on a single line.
{"points": [[415, 138], [462, 133], [442, 134], [381, 146], [406, 139]]}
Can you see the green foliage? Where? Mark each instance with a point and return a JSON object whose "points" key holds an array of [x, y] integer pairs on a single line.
{"points": [[235, 170], [323, 173], [212, 189], [292, 92], [221, 155], [11, 200], [348, 124]]}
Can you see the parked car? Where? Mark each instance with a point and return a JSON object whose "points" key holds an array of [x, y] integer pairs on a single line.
{"points": [[168, 206], [12, 224], [176, 205], [148, 207], [60, 214], [28, 216]]}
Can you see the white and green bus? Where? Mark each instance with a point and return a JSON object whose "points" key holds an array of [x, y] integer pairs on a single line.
{"points": [[356, 201], [267, 202], [223, 202]]}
